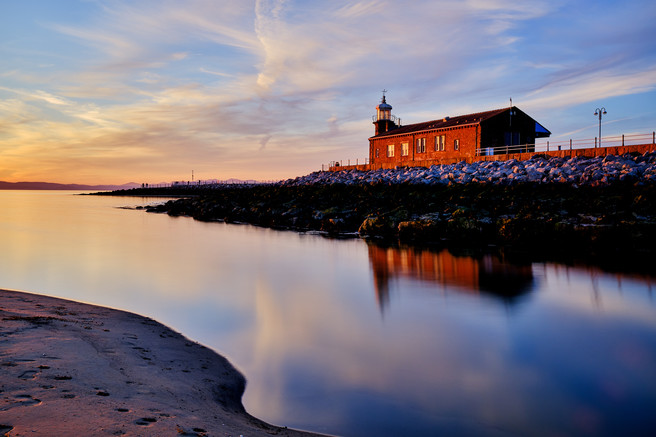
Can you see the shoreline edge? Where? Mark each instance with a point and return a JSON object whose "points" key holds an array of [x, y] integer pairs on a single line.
{"points": [[81, 369]]}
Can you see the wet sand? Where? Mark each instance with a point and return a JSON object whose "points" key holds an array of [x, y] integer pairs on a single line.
{"points": [[68, 368]]}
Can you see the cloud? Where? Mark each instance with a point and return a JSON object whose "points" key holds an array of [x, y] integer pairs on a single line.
{"points": [[242, 85], [39, 95], [355, 44], [216, 73], [592, 86], [300, 47], [263, 142], [126, 39], [113, 44], [47, 97]]}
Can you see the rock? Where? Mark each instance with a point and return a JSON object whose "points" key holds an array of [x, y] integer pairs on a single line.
{"points": [[535, 203], [371, 226], [425, 230], [334, 226]]}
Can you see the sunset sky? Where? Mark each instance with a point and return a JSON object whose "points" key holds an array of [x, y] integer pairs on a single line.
{"points": [[111, 91]]}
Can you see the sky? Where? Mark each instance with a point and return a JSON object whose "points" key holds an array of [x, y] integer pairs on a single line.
{"points": [[114, 91]]}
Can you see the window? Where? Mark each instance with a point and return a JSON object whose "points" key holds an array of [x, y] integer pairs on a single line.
{"points": [[390, 150], [421, 145], [377, 153], [456, 144], [405, 149], [439, 143]]}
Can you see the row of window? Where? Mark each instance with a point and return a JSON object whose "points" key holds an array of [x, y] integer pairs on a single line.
{"points": [[439, 146]]}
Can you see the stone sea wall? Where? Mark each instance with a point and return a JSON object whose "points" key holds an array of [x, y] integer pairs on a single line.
{"points": [[539, 169], [578, 205]]}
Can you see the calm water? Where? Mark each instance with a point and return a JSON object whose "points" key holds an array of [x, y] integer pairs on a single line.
{"points": [[353, 339]]}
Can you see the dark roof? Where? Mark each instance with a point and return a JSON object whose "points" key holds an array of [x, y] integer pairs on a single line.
{"points": [[541, 131], [460, 120]]}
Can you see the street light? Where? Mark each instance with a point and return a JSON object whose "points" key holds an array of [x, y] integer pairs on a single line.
{"points": [[599, 112]]}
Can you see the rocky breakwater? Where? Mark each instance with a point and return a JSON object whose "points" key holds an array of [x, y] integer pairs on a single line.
{"points": [[596, 171], [588, 205]]}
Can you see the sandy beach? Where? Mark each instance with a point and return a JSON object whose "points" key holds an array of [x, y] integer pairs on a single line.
{"points": [[68, 368]]}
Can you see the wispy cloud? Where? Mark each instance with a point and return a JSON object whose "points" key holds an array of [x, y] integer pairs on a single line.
{"points": [[275, 87], [591, 87], [39, 95]]}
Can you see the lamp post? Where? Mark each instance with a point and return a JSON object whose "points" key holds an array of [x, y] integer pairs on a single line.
{"points": [[599, 112]]}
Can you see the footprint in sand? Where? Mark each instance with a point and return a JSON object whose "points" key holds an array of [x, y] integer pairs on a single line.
{"points": [[22, 401], [62, 378], [5, 429], [146, 421], [28, 374], [195, 432]]}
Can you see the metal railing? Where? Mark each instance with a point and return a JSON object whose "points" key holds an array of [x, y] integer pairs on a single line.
{"points": [[207, 183], [543, 146], [342, 163], [570, 144], [393, 118]]}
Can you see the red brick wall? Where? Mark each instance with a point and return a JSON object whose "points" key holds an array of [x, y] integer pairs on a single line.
{"points": [[468, 137], [589, 152]]}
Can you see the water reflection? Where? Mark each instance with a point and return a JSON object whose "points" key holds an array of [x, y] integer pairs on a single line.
{"points": [[487, 274], [300, 315]]}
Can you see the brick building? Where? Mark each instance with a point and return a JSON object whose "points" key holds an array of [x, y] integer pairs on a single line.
{"points": [[452, 138]]}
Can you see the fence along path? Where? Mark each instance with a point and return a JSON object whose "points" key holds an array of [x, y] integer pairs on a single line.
{"points": [[615, 145]]}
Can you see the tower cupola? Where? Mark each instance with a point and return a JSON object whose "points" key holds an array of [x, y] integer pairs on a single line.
{"points": [[383, 119], [383, 111]]}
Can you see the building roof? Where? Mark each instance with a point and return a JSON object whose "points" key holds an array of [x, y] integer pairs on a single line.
{"points": [[460, 120], [384, 105]]}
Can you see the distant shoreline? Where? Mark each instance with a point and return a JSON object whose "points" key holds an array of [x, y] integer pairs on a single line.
{"points": [[50, 186]]}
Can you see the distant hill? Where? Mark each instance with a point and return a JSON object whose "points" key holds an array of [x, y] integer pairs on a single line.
{"points": [[240, 181], [53, 186]]}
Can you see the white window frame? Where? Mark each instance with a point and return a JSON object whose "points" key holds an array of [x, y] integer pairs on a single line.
{"points": [[405, 149], [421, 145], [439, 143], [390, 150], [456, 144]]}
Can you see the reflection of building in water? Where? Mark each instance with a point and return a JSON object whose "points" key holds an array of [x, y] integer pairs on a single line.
{"points": [[488, 274]]}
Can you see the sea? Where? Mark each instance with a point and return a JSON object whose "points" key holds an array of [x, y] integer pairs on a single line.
{"points": [[355, 338]]}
